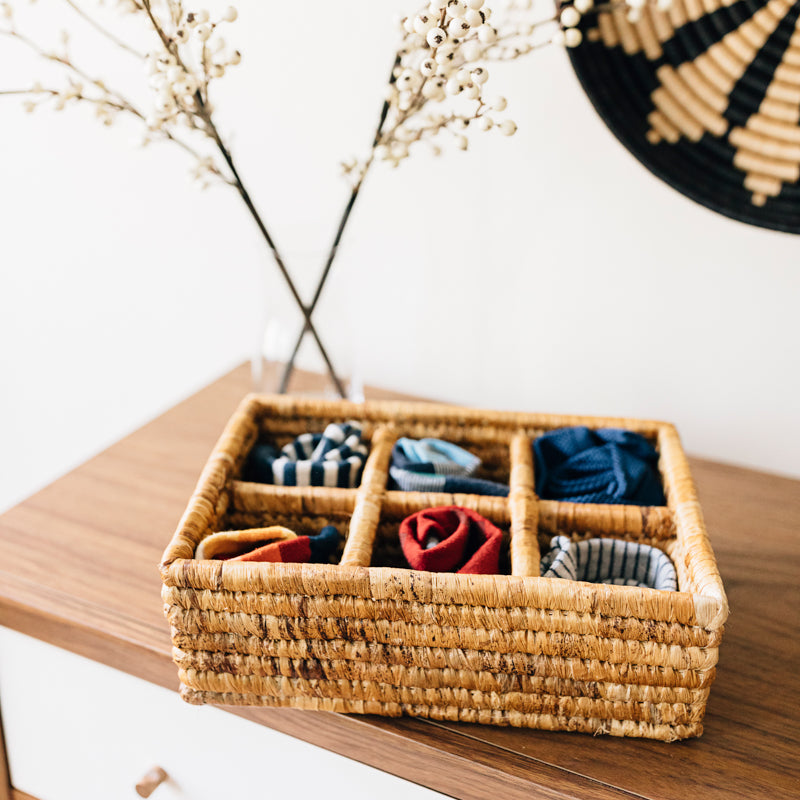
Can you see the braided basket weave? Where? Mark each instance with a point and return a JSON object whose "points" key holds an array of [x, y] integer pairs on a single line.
{"points": [[368, 635]]}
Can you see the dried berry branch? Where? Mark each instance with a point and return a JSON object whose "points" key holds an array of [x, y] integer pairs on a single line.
{"points": [[195, 101], [92, 22], [188, 57], [441, 59]]}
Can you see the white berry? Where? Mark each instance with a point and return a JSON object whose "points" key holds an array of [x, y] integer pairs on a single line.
{"points": [[445, 54], [471, 50], [458, 27], [423, 23], [436, 37], [480, 75], [428, 67], [431, 91], [487, 34], [473, 18], [570, 17], [572, 37], [455, 8]]}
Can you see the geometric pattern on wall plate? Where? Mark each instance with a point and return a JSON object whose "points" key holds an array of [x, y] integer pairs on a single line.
{"points": [[707, 95]]}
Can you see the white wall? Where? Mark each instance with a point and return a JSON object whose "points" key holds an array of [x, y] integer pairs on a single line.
{"points": [[545, 272]]}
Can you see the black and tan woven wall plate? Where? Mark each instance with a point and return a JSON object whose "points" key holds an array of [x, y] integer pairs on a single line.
{"points": [[706, 94]]}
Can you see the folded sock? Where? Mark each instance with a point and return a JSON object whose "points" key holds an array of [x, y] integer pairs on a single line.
{"points": [[597, 466], [451, 539], [283, 546], [609, 561], [433, 465], [334, 458], [230, 544], [300, 550]]}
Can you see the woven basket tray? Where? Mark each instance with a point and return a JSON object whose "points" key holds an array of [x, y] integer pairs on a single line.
{"points": [[369, 636]]}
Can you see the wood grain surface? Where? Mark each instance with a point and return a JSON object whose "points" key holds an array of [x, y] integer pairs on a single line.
{"points": [[78, 569]]}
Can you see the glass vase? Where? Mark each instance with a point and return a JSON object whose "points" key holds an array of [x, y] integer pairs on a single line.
{"points": [[280, 322]]}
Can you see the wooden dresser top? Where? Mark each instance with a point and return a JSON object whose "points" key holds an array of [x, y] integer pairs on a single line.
{"points": [[78, 569]]}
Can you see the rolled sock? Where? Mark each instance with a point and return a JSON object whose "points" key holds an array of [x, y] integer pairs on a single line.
{"points": [[300, 550], [609, 465], [258, 467], [609, 561], [451, 539], [324, 544], [334, 458], [433, 465], [230, 544]]}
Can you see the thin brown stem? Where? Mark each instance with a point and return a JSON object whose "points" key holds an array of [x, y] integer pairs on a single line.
{"points": [[245, 195], [289, 366], [516, 54], [65, 62], [117, 106], [103, 31], [169, 45]]}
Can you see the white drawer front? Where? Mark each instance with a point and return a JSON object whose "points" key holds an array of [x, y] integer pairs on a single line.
{"points": [[78, 730]]}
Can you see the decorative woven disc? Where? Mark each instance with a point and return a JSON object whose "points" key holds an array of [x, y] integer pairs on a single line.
{"points": [[707, 96]]}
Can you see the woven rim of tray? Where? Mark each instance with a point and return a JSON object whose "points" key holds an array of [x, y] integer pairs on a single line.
{"points": [[702, 602], [707, 96]]}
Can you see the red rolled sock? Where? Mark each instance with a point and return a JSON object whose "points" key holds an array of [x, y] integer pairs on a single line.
{"points": [[300, 550], [296, 551], [451, 539], [227, 545], [274, 544]]}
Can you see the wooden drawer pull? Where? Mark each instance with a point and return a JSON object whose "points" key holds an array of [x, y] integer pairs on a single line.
{"points": [[151, 781]]}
